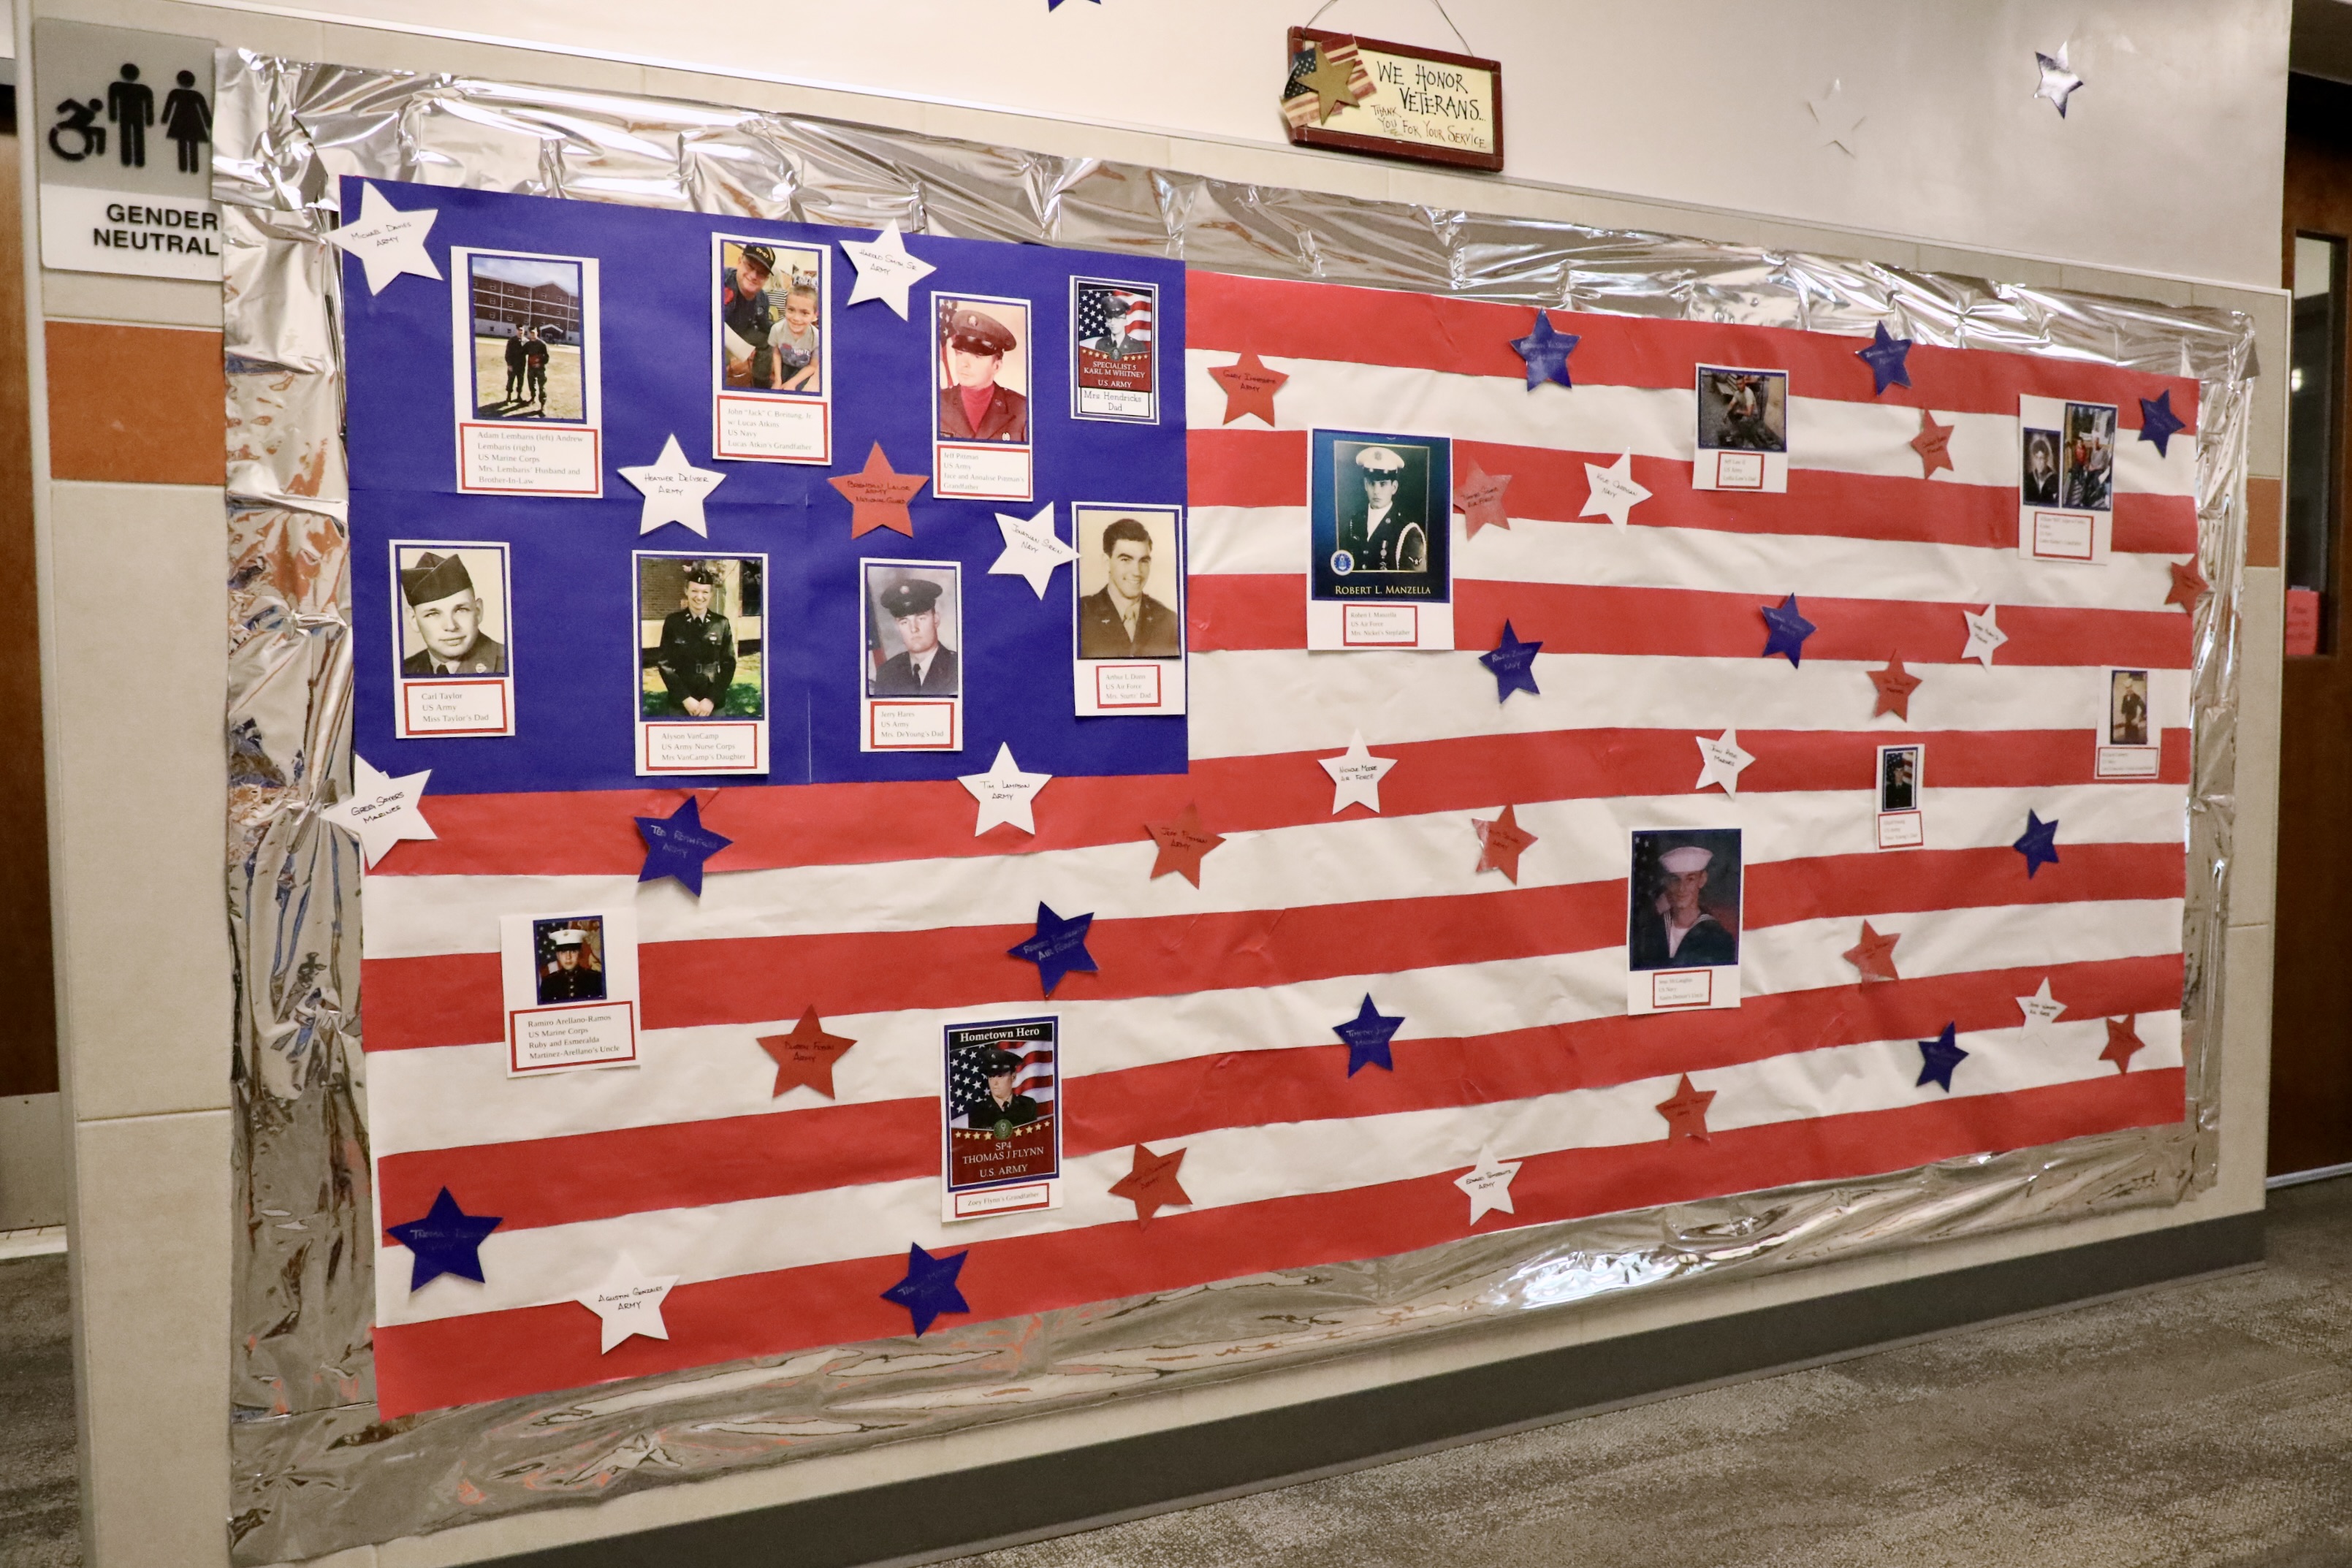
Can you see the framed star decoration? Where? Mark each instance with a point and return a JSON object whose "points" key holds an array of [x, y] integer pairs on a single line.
{"points": [[1393, 100]]}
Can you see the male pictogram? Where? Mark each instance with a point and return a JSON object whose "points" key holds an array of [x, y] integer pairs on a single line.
{"points": [[131, 103]]}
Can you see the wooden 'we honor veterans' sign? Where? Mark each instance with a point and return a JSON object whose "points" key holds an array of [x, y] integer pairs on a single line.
{"points": [[1397, 101]]}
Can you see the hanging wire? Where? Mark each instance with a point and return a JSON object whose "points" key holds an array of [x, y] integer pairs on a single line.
{"points": [[1441, 11]]}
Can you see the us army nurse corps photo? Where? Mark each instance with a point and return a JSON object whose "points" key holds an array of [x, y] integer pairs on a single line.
{"points": [[452, 620], [700, 686]]}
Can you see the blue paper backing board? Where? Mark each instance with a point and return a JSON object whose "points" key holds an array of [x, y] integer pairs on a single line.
{"points": [[574, 593]]}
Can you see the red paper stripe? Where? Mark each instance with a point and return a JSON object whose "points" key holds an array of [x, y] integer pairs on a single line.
{"points": [[454, 999], [568, 1179], [1471, 337], [496, 1355]]}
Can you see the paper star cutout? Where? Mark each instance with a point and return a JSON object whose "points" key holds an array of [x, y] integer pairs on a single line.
{"points": [[805, 1057], [1032, 549], [677, 845], [1501, 842], [1885, 356], [1059, 947], [1685, 1113], [387, 241], [1983, 635], [447, 1240], [1895, 685], [1368, 1035], [2158, 422], [2041, 1011], [1546, 351], [878, 497], [1356, 775], [1939, 1057], [1873, 956], [1249, 388], [885, 270], [2123, 1042], [929, 1288], [1513, 665], [1836, 118], [1331, 82], [2188, 584], [1478, 496], [2058, 82], [1181, 843], [674, 489], [1005, 794], [628, 1302], [1053, 5], [381, 809], [1150, 1183], [1788, 631], [1488, 1183], [1934, 445], [2038, 843], [1612, 492], [1720, 762]]}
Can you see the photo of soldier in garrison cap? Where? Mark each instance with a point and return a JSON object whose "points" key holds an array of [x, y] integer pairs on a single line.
{"points": [[984, 371], [445, 629]]}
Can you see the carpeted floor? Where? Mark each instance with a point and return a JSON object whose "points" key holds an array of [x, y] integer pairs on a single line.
{"points": [[2206, 1423]]}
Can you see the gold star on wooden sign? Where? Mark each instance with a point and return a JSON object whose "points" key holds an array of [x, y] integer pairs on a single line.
{"points": [[1330, 81]]}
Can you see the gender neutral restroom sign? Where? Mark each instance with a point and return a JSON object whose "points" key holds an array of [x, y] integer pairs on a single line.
{"points": [[123, 123]]}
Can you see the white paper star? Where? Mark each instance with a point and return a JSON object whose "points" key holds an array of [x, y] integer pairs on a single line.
{"points": [[2058, 79], [885, 270], [674, 489], [1720, 762], [1005, 794], [1356, 775], [387, 241], [2041, 1012], [381, 809], [1836, 116], [1488, 1183], [1032, 549], [628, 1302], [1613, 490], [1983, 635]]}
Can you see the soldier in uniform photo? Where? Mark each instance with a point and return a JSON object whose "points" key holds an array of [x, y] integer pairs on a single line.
{"points": [[1120, 620], [446, 614], [1673, 929], [975, 408], [518, 360], [1382, 530], [927, 669], [1001, 1107], [571, 979], [1898, 791], [2042, 468], [1124, 316], [2130, 726], [534, 364], [695, 660]]}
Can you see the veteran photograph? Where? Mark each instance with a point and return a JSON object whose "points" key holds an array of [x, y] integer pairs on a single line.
{"points": [[1122, 618], [443, 629], [980, 352]]}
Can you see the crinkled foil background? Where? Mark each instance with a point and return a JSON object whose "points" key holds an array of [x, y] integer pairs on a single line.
{"points": [[315, 1470]]}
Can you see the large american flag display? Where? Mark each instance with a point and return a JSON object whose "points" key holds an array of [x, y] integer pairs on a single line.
{"points": [[1208, 1025]]}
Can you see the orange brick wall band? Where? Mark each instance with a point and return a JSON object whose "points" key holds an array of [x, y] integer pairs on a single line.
{"points": [[136, 404], [2262, 523]]}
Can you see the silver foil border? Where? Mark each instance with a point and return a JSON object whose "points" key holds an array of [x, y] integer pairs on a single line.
{"points": [[314, 1470]]}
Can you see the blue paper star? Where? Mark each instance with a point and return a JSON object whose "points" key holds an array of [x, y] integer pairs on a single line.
{"points": [[1939, 1057], [1053, 6], [2038, 844], [1368, 1035], [677, 845], [1513, 663], [929, 1288], [2158, 422], [1886, 358], [447, 1240], [1546, 351], [1788, 630], [1059, 946]]}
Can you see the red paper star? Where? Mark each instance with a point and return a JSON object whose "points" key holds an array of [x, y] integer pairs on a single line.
{"points": [[2123, 1042], [1249, 388], [1685, 1113], [1895, 685], [1874, 954], [1934, 444], [805, 1056], [1152, 1185], [1500, 844], [2188, 585], [877, 497], [1479, 498], [1181, 843]]}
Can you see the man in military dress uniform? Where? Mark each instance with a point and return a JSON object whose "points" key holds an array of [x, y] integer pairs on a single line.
{"points": [[1001, 1107], [975, 408], [1382, 532], [1119, 620], [1675, 932], [695, 660], [447, 615], [927, 669], [570, 980]]}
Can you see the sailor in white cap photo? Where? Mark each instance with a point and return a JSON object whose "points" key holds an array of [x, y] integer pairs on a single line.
{"points": [[1673, 928], [566, 972], [1381, 528]]}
